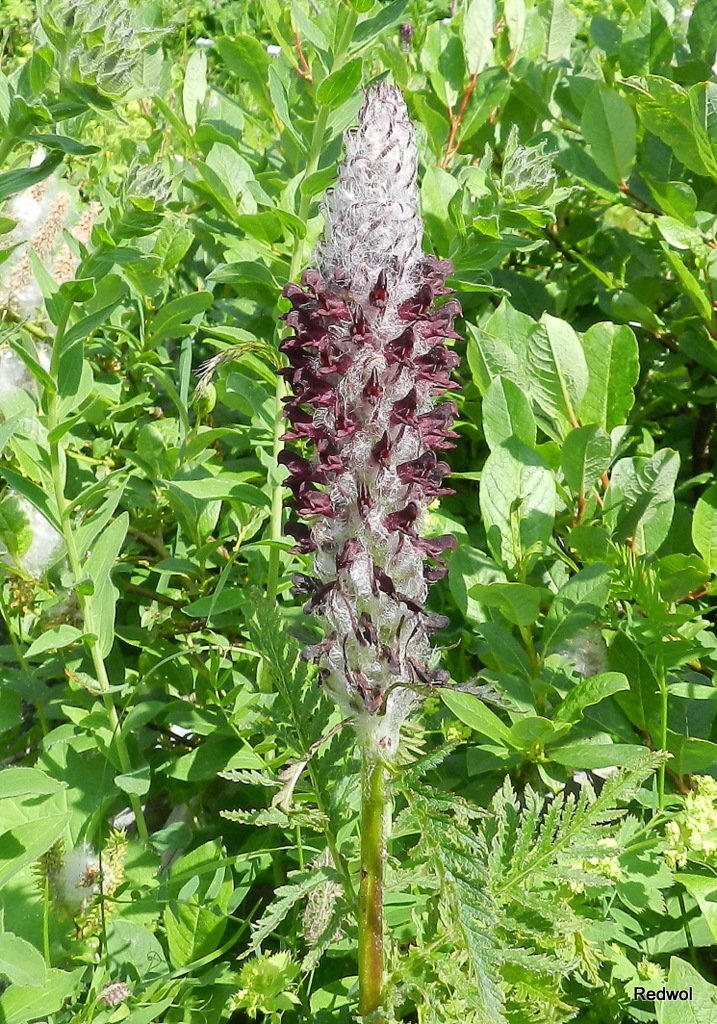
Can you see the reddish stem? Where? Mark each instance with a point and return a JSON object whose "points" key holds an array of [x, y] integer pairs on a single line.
{"points": [[452, 146]]}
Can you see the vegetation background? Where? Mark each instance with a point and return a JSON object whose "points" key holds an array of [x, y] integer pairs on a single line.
{"points": [[176, 844]]}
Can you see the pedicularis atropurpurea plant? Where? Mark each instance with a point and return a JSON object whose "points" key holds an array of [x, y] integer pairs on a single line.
{"points": [[182, 835], [367, 361]]}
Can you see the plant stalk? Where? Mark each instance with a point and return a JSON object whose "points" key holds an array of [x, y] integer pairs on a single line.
{"points": [[370, 918]]}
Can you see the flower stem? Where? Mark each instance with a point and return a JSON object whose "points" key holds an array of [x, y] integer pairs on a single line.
{"points": [[370, 921]]}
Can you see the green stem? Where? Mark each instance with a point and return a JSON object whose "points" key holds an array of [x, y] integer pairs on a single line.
{"points": [[688, 932], [370, 919], [58, 469], [663, 722], [6, 147]]}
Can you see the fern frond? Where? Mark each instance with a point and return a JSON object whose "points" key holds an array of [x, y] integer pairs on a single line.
{"points": [[266, 816], [566, 825], [286, 897], [249, 777], [308, 712], [461, 856], [424, 764], [330, 933]]}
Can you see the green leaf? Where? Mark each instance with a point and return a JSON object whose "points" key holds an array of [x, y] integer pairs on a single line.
{"points": [[20, 1004], [531, 732], [702, 30], [587, 693], [690, 283], [98, 567], [560, 28], [137, 781], [608, 127], [16, 781], [473, 712], [559, 369], [588, 755], [584, 457], [704, 527], [340, 85], [642, 703], [34, 494], [700, 1009], [175, 319], [23, 844], [12, 182], [54, 639], [388, 16], [64, 144], [577, 604], [640, 500], [208, 759], [20, 962], [518, 602], [221, 487], [277, 94], [5, 98], [701, 888], [613, 369], [517, 500], [489, 356], [691, 754], [130, 943], [478, 30], [507, 413], [318, 182], [246, 58], [194, 89], [647, 44], [665, 109]]}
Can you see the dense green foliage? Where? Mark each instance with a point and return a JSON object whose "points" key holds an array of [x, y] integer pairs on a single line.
{"points": [[161, 172]]}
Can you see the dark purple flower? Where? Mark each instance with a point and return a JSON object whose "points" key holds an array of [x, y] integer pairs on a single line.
{"points": [[367, 360]]}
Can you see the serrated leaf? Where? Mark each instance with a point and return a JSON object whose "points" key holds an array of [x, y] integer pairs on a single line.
{"points": [[701, 1008], [286, 897]]}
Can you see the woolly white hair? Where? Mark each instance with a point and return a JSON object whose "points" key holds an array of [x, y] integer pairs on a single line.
{"points": [[44, 544], [372, 213]]}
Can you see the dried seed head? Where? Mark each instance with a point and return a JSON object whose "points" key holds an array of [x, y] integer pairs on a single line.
{"points": [[367, 361]]}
